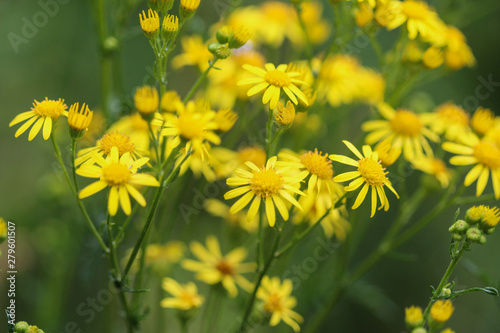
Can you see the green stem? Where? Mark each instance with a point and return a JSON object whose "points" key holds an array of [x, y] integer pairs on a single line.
{"points": [[309, 48], [451, 267], [377, 48], [198, 82], [260, 240], [269, 133], [75, 194]]}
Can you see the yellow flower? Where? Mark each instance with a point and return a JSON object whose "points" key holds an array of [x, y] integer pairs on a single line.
{"points": [[448, 119], [170, 26], [239, 37], [164, 254], [120, 174], [414, 316], [218, 208], [482, 121], [150, 23], [273, 80], [369, 172], [316, 204], [104, 145], [441, 310], [457, 53], [433, 57], [42, 113], [136, 128], [195, 52], [492, 217], [313, 164], [267, 184], [79, 119], [386, 153], [412, 52], [403, 128], [225, 119], [146, 100], [185, 298], [420, 19], [317, 29], [3, 229], [195, 124], [435, 167], [170, 101], [188, 7], [363, 15], [285, 115], [486, 158], [278, 302], [213, 267], [448, 330]]}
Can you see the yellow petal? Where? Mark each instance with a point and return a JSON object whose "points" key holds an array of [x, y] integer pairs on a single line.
{"points": [[482, 181], [22, 117], [136, 195], [270, 213], [361, 196], [92, 189], [47, 128], [254, 208], [473, 174], [241, 203], [124, 200], [113, 201], [36, 128]]}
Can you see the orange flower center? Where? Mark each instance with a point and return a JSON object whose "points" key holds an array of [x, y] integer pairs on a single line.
{"points": [[406, 123], [266, 183], [116, 174], [225, 268], [317, 164], [372, 172], [277, 78], [120, 141], [487, 154]]}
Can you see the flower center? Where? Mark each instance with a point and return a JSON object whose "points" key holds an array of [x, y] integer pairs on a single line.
{"points": [[372, 172], [189, 298], [406, 123], [487, 154], [273, 303], [415, 9], [317, 164], [49, 108], [266, 182], [277, 78], [190, 126], [225, 268], [116, 174], [255, 155], [120, 141]]}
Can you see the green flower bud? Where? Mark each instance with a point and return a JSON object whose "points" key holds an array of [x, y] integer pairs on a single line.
{"points": [[213, 47], [459, 226], [222, 52], [482, 239], [419, 330], [239, 37], [223, 34], [457, 237], [474, 234], [475, 214], [21, 327]]}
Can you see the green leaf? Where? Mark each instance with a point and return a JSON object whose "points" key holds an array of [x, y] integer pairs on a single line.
{"points": [[489, 290]]}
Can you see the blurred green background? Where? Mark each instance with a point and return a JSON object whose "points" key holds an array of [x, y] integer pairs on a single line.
{"points": [[58, 262]]}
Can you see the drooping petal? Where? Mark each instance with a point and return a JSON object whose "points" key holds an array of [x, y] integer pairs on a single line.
{"points": [[113, 201], [36, 128], [124, 200], [47, 128], [92, 189], [241, 203], [270, 212], [361, 196]]}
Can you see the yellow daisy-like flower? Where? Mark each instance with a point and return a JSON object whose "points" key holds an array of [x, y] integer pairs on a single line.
{"points": [[220, 209], [194, 123], [285, 115], [42, 113], [185, 298], [492, 217], [135, 127], [414, 316], [370, 173], [313, 164], [267, 184], [273, 80], [404, 129], [418, 16], [195, 52], [79, 119], [146, 100], [441, 310], [120, 174], [150, 23], [278, 302], [482, 121], [435, 167], [213, 267], [104, 145], [486, 157], [448, 119]]}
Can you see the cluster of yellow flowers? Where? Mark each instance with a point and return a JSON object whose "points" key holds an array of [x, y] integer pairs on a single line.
{"points": [[165, 136]]}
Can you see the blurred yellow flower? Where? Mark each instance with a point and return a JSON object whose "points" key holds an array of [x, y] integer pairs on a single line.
{"points": [[482, 121], [136, 128], [413, 316], [146, 100], [285, 115], [225, 119], [369, 172], [434, 167], [213, 267], [448, 119], [403, 128], [185, 298], [218, 208], [3, 230], [278, 302], [433, 57], [317, 29], [273, 80], [484, 155], [457, 53], [42, 113], [195, 52], [120, 174], [441, 310], [267, 184]]}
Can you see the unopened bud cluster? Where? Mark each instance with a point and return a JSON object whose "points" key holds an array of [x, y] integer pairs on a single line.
{"points": [[479, 222], [228, 39], [23, 327]]}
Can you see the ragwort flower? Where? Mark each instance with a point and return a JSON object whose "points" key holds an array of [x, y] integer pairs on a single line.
{"points": [[186, 296], [370, 173], [120, 174]]}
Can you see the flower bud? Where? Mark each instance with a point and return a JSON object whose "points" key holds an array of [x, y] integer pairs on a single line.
{"points": [[223, 34], [164, 5], [475, 214], [212, 47], [170, 101], [482, 240], [225, 119], [474, 234], [491, 218], [146, 100], [419, 330], [413, 317], [170, 26], [239, 37], [150, 24], [433, 57], [79, 120], [445, 292], [187, 8], [440, 312], [457, 237], [285, 115], [21, 327], [222, 52], [460, 226], [363, 15]]}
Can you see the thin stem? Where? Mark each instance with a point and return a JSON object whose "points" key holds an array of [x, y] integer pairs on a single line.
{"points": [[269, 133], [200, 79], [444, 280], [309, 48], [260, 236], [75, 194]]}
